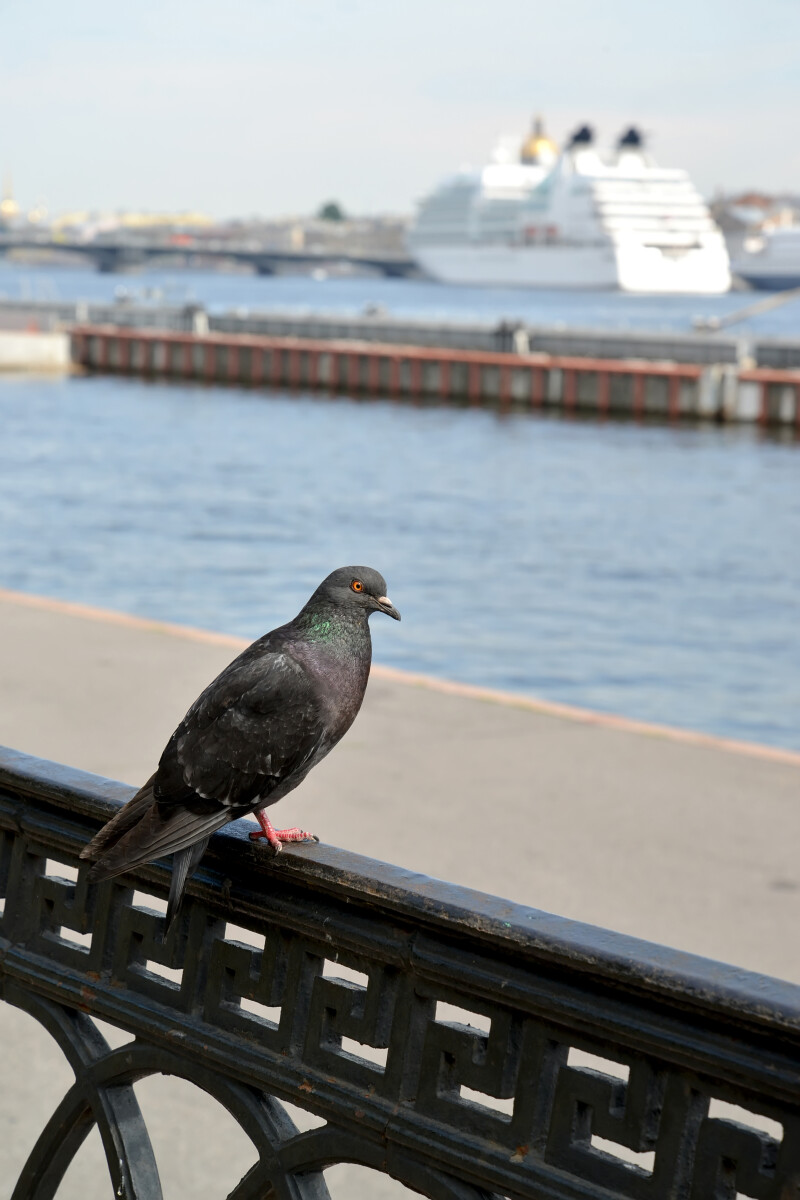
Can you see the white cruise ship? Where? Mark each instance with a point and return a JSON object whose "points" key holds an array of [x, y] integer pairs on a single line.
{"points": [[770, 260], [582, 218]]}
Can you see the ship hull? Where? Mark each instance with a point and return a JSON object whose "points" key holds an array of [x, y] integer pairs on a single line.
{"points": [[774, 266], [627, 267], [768, 282]]}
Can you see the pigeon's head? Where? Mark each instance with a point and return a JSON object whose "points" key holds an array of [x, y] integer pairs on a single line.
{"points": [[358, 587]]}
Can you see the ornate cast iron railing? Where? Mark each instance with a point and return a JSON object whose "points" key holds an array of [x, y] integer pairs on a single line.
{"points": [[501, 1098]]}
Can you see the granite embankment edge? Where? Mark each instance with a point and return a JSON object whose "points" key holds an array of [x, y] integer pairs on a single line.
{"points": [[534, 704]]}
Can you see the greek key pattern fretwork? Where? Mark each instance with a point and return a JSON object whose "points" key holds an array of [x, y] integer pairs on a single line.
{"points": [[443, 1053]]}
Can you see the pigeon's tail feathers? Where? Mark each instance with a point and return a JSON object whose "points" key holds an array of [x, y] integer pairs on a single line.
{"points": [[183, 864], [155, 835], [128, 816]]}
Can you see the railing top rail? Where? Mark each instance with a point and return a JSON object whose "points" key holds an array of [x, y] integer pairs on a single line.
{"points": [[724, 991]]}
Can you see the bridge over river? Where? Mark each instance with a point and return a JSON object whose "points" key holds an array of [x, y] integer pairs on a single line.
{"points": [[112, 255]]}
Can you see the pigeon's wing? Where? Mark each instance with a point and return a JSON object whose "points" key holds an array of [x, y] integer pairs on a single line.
{"points": [[252, 730], [128, 816], [244, 738], [155, 835]]}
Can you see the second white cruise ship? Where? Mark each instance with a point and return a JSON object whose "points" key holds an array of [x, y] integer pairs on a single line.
{"points": [[534, 217]]}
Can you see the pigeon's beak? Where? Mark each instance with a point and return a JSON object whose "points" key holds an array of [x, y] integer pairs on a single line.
{"points": [[387, 607]]}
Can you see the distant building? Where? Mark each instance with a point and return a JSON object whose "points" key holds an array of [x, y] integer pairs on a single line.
{"points": [[748, 214]]}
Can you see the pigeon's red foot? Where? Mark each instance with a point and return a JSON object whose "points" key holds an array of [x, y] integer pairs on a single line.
{"points": [[276, 837]]}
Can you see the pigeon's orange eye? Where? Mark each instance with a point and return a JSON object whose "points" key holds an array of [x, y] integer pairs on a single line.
{"points": [[357, 585]]}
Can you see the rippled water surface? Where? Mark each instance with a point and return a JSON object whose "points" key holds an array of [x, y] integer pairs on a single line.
{"points": [[644, 570]]}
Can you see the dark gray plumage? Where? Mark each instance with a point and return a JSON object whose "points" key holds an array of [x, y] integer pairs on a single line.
{"points": [[253, 735]]}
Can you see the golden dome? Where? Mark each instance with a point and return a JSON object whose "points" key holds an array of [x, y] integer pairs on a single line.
{"points": [[537, 147], [8, 205]]}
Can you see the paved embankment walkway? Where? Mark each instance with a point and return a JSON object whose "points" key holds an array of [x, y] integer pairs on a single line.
{"points": [[682, 839]]}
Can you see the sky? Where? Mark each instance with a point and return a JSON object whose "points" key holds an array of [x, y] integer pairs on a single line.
{"points": [[258, 107]]}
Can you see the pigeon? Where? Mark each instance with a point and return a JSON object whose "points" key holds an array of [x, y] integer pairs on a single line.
{"points": [[252, 736]]}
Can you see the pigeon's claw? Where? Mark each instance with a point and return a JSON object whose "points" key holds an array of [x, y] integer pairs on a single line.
{"points": [[295, 835], [277, 837]]}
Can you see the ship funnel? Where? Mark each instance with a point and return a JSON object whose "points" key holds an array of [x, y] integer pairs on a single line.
{"points": [[631, 139], [583, 136]]}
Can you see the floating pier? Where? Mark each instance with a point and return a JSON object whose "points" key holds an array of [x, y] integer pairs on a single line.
{"points": [[34, 351], [600, 386]]}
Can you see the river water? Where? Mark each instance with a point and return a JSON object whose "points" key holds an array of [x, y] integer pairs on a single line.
{"points": [[647, 570], [403, 298]]}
